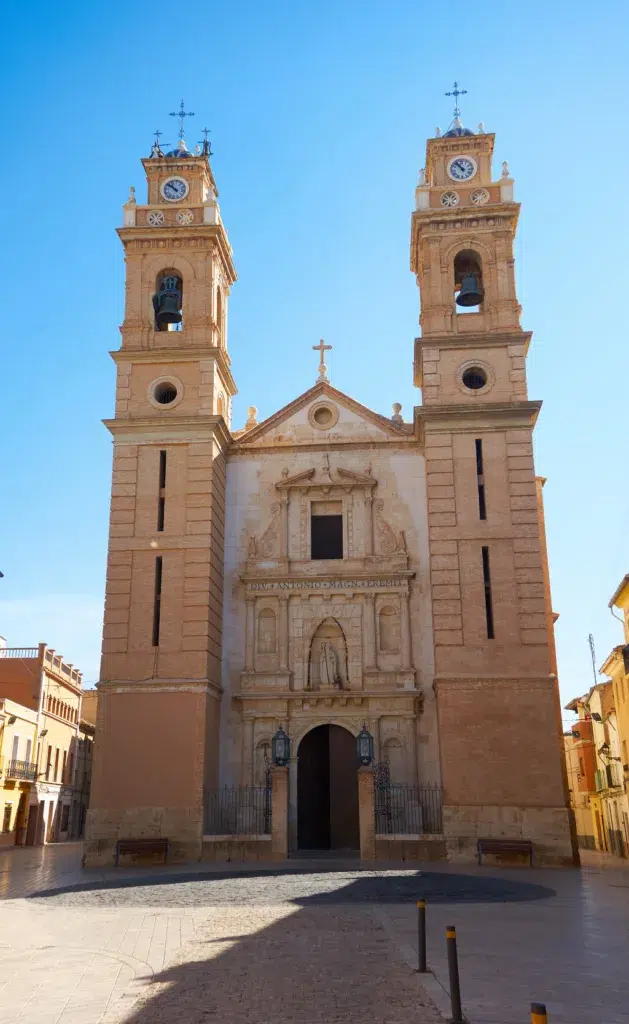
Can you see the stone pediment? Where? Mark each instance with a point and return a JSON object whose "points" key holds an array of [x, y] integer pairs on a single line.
{"points": [[322, 416], [325, 479]]}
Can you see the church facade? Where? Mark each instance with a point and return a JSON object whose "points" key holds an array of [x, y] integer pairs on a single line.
{"points": [[329, 567]]}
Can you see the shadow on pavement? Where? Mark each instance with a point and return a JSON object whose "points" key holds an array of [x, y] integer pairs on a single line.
{"points": [[301, 887]]}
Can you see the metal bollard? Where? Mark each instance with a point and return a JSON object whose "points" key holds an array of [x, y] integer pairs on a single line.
{"points": [[421, 937], [453, 970], [538, 1014]]}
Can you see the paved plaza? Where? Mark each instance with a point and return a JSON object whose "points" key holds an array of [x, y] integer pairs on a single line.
{"points": [[314, 943]]}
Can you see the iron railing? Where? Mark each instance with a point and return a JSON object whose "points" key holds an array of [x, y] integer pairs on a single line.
{"points": [[408, 810], [25, 770], [238, 811]]}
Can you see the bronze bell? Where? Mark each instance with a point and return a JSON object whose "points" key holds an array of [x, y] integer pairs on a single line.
{"points": [[471, 292], [167, 303]]}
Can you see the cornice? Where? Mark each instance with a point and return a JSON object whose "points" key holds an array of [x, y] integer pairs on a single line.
{"points": [[195, 236], [476, 415], [178, 355], [337, 696], [293, 448], [482, 340], [461, 218], [171, 426], [161, 685]]}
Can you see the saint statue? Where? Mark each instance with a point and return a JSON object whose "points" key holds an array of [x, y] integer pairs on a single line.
{"points": [[329, 666]]}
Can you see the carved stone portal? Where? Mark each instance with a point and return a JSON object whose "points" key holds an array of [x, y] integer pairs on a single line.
{"points": [[327, 667]]}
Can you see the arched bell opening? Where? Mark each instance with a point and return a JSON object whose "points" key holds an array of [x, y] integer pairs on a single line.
{"points": [[468, 282], [168, 301]]}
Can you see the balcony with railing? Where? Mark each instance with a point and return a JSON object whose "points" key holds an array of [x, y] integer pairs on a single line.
{"points": [[24, 771]]}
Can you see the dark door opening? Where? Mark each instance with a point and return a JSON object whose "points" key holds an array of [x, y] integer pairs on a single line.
{"points": [[326, 536], [327, 790]]}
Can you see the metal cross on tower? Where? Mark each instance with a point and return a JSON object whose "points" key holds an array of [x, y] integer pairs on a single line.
{"points": [[181, 114], [321, 348], [456, 92]]}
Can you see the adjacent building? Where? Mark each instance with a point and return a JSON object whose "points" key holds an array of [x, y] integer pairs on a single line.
{"points": [[597, 748], [49, 692], [18, 770]]}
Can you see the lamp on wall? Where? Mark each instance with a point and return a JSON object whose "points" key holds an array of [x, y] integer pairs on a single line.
{"points": [[12, 720], [280, 748], [364, 746]]}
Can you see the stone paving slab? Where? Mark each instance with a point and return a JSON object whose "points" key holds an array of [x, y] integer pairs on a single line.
{"points": [[299, 966], [123, 947]]}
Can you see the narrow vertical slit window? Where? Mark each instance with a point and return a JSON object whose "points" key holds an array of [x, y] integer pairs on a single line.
{"points": [[157, 600], [489, 611], [480, 479], [161, 501]]}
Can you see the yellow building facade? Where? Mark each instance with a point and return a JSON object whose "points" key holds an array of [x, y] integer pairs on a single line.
{"points": [[49, 688], [18, 771]]}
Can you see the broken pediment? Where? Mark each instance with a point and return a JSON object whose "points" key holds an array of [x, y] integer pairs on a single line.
{"points": [[326, 477]]}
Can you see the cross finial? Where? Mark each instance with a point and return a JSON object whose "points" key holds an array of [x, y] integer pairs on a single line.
{"points": [[456, 92], [321, 348], [181, 114]]}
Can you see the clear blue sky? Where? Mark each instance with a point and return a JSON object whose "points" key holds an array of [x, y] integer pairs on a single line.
{"points": [[319, 114]]}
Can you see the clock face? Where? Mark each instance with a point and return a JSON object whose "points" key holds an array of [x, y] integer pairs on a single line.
{"points": [[461, 168], [174, 189]]}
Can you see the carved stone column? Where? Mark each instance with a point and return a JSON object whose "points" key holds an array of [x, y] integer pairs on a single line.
{"points": [[283, 632], [369, 632], [406, 631], [250, 628], [247, 752]]}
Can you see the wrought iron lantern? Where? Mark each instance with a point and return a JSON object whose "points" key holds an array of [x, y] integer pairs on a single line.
{"points": [[280, 748], [364, 746]]}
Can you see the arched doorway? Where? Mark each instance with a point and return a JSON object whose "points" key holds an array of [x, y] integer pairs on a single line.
{"points": [[327, 790]]}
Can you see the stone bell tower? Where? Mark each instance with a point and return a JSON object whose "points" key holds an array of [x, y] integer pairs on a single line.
{"points": [[495, 674], [159, 691]]}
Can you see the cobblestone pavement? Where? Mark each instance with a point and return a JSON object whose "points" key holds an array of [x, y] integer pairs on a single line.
{"points": [[314, 943]]}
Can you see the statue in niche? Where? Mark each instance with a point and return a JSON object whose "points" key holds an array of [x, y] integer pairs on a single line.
{"points": [[329, 666], [328, 657]]}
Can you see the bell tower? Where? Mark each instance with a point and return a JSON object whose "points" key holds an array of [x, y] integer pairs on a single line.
{"points": [[495, 672], [159, 691]]}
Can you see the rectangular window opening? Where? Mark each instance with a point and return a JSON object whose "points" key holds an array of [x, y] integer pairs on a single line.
{"points": [[489, 612], [161, 501], [326, 536], [157, 600], [480, 479]]}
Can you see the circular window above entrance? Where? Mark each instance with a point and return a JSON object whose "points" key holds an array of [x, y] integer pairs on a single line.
{"points": [[323, 415]]}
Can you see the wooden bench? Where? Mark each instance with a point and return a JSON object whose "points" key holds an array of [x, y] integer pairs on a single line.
{"points": [[144, 847], [504, 846]]}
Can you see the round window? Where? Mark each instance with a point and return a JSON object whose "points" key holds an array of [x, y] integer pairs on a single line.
{"points": [[323, 416], [165, 393], [474, 378]]}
